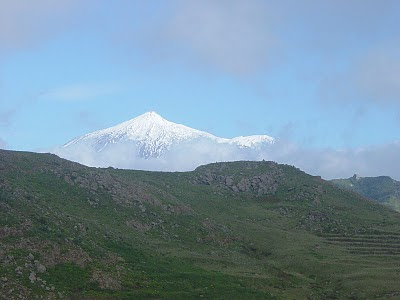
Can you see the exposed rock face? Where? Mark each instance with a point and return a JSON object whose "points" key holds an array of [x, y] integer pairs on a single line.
{"points": [[32, 277], [264, 183], [39, 267], [166, 235]]}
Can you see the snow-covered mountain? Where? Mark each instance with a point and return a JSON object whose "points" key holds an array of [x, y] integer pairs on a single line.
{"points": [[151, 137]]}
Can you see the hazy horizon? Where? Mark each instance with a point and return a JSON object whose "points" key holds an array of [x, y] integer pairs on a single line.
{"points": [[323, 77]]}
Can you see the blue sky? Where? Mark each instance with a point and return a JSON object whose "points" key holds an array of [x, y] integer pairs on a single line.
{"points": [[322, 74]]}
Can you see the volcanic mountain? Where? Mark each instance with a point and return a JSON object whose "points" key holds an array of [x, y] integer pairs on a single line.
{"points": [[149, 141]]}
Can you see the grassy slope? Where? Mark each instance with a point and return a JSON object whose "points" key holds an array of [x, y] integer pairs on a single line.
{"points": [[382, 189], [106, 233]]}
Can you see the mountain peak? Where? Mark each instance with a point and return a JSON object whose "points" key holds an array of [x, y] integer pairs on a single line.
{"points": [[148, 117], [151, 136], [151, 133], [152, 113]]}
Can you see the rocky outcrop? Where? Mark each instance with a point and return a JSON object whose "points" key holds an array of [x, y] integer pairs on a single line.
{"points": [[260, 181]]}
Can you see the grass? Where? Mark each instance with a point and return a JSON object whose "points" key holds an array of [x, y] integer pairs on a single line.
{"points": [[305, 240], [382, 189]]}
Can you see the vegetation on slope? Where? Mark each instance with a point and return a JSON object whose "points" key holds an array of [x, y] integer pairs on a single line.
{"points": [[242, 230], [382, 189]]}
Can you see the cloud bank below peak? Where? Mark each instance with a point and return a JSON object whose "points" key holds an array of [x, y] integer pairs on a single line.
{"points": [[331, 163], [328, 163]]}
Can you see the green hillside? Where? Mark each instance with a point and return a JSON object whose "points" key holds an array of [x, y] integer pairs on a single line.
{"points": [[241, 230], [382, 189]]}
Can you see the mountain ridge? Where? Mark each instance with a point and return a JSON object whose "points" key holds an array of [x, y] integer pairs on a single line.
{"points": [[148, 128], [150, 136], [383, 189], [239, 230]]}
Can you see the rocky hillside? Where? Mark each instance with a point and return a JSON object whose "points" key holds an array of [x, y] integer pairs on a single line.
{"points": [[383, 189], [241, 230]]}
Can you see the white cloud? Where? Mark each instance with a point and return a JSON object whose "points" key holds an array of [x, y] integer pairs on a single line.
{"points": [[377, 75], [3, 144], [78, 92], [373, 77], [25, 22], [229, 35], [328, 163], [233, 35]]}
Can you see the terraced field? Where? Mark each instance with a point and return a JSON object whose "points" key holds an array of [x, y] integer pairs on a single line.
{"points": [[242, 230], [374, 243]]}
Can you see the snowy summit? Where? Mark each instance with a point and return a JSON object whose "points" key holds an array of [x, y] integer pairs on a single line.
{"points": [[152, 133], [150, 136]]}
